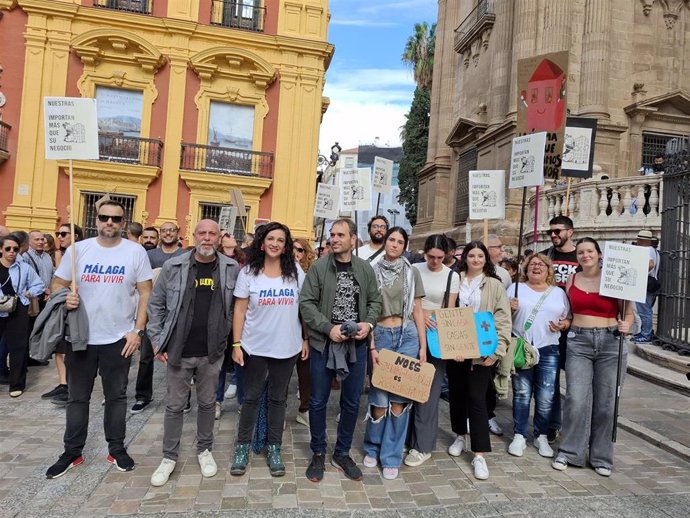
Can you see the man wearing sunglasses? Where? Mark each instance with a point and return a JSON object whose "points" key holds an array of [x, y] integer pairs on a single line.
{"points": [[170, 234], [110, 272]]}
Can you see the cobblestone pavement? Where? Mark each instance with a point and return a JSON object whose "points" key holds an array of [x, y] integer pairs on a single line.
{"points": [[646, 482]]}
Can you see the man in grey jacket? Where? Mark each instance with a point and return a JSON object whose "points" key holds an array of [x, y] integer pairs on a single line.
{"points": [[190, 312]]}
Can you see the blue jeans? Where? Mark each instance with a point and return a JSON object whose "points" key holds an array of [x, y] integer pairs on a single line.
{"points": [[350, 394], [539, 381], [384, 437], [644, 309]]}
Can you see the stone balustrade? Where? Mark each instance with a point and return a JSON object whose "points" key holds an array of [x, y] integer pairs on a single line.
{"points": [[612, 209]]}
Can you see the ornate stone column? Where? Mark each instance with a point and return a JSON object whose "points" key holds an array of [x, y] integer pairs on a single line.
{"points": [[556, 34], [595, 59], [524, 43], [439, 64], [502, 36]]}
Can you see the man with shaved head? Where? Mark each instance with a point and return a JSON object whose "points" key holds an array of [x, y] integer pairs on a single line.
{"points": [[190, 312]]}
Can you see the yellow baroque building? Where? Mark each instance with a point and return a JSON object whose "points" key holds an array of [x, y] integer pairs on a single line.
{"points": [[194, 98]]}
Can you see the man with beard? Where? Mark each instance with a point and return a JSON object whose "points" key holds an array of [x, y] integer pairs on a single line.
{"points": [[373, 250], [168, 245], [110, 273], [149, 238], [190, 316]]}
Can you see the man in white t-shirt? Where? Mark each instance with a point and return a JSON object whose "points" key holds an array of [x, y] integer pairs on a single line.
{"points": [[110, 273], [372, 252]]}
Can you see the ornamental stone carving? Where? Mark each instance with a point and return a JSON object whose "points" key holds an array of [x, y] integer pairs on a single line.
{"points": [[671, 9]]}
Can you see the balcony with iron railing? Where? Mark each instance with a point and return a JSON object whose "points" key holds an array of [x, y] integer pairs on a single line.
{"points": [[224, 160], [480, 19], [243, 14], [4, 135], [130, 6], [114, 147]]}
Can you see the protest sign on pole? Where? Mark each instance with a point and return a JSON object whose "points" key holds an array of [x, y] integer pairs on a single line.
{"points": [[403, 375], [578, 147], [487, 194], [227, 218], [327, 201], [238, 201], [624, 271], [527, 160], [383, 175], [355, 189]]}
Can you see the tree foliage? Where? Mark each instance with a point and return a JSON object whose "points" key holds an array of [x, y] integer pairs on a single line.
{"points": [[419, 53]]}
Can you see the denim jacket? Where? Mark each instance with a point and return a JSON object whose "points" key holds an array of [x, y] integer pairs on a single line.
{"points": [[24, 279]]}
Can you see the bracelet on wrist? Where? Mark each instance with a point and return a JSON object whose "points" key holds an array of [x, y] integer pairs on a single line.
{"points": [[237, 344]]}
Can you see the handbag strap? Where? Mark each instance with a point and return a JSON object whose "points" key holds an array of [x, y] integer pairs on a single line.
{"points": [[536, 308], [375, 255], [446, 295]]}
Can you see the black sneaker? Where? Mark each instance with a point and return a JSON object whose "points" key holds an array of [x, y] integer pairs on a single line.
{"points": [[60, 399], [4, 379], [60, 389], [37, 363], [121, 461], [63, 465], [316, 467], [345, 464], [553, 436], [139, 406]]}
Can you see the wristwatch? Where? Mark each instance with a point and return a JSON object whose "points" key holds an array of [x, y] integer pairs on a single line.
{"points": [[139, 332]]}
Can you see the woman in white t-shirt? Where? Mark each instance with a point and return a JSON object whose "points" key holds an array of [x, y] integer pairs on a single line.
{"points": [[441, 286], [267, 338], [540, 312]]}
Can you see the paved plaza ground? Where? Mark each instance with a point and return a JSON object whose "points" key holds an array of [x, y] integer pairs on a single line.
{"points": [[647, 481]]}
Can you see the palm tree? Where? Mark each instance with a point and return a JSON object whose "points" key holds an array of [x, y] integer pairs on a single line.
{"points": [[419, 53]]}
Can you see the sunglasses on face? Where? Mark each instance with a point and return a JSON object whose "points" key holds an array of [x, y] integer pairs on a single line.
{"points": [[103, 218], [555, 231], [61, 234], [14, 249], [298, 249]]}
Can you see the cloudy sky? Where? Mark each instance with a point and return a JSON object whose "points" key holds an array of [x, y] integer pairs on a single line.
{"points": [[369, 87]]}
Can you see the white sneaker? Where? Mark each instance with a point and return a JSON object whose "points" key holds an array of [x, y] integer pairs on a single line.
{"points": [[457, 447], [162, 473], [494, 427], [219, 409], [416, 458], [370, 462], [518, 446], [541, 443], [207, 464], [303, 418], [481, 472], [231, 391], [604, 472]]}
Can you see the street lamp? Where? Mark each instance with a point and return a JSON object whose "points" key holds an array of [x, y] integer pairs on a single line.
{"points": [[394, 213], [323, 168]]}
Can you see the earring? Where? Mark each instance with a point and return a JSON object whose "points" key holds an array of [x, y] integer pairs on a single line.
{"points": [[262, 248]]}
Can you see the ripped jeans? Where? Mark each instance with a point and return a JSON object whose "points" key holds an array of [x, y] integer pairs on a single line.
{"points": [[384, 438]]}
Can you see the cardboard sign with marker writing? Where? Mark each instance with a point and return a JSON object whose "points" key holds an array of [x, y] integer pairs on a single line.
{"points": [[462, 332], [403, 375]]}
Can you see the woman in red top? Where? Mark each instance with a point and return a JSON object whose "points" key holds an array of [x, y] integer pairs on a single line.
{"points": [[591, 365]]}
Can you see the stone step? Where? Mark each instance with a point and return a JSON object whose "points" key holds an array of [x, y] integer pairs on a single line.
{"points": [[659, 374], [669, 359]]}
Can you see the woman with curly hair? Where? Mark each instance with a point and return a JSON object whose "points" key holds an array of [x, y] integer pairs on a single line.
{"points": [[267, 339], [468, 379]]}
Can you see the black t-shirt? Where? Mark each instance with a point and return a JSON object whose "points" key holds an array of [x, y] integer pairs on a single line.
{"points": [[564, 264], [5, 282], [196, 344], [346, 301]]}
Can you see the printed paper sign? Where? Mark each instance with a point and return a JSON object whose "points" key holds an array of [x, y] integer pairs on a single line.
{"points": [[355, 189], [383, 175], [578, 147], [624, 271], [462, 332], [487, 195], [403, 375], [327, 201], [71, 128], [226, 220], [527, 161]]}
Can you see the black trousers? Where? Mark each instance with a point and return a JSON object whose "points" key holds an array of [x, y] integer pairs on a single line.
{"points": [[144, 386], [82, 367], [467, 390], [14, 329]]}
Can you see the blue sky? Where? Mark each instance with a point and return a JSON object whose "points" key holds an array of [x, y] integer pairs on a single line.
{"points": [[369, 87]]}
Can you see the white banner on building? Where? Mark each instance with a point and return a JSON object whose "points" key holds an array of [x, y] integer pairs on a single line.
{"points": [[487, 194], [71, 128], [527, 160], [624, 271], [383, 175], [327, 201], [355, 189]]}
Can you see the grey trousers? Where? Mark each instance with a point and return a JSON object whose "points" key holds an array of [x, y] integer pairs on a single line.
{"points": [[590, 371], [179, 383], [424, 419]]}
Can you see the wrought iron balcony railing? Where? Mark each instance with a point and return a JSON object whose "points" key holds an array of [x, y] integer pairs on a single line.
{"points": [[238, 14], [480, 18], [224, 160], [114, 147], [4, 130], [131, 6]]}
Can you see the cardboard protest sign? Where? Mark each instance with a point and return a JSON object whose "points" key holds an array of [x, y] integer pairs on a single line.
{"points": [[383, 175], [542, 103], [527, 161], [403, 375], [227, 217], [238, 201], [355, 189], [327, 201], [578, 147], [71, 128], [462, 332], [624, 271], [487, 194]]}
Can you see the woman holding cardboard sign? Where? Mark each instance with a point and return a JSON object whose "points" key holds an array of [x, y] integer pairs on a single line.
{"points": [[400, 328], [591, 366], [468, 379]]}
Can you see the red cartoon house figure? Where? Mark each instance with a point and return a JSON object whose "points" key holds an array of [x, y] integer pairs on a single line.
{"points": [[544, 98]]}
